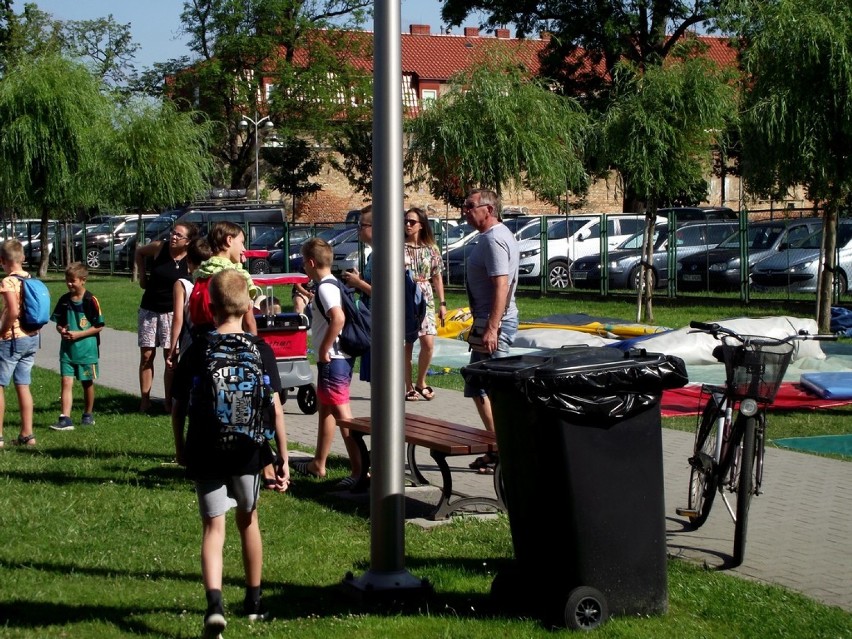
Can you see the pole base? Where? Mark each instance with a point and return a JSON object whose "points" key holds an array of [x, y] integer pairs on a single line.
{"points": [[398, 588]]}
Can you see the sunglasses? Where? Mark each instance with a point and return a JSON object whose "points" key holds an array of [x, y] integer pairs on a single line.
{"points": [[411, 222], [469, 206], [178, 236]]}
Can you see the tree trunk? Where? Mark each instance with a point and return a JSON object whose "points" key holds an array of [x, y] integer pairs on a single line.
{"points": [[825, 291], [45, 244], [643, 301]]}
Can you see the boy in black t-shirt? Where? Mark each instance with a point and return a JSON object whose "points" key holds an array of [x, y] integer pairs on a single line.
{"points": [[226, 472]]}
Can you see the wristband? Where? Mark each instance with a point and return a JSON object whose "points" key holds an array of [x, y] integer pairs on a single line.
{"points": [[443, 303]]}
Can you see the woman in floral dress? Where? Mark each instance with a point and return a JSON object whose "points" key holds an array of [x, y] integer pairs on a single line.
{"points": [[423, 259]]}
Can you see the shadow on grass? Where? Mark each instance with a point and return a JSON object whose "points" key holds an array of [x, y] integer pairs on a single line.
{"points": [[284, 600]]}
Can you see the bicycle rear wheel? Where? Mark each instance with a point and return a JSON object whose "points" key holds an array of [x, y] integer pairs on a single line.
{"points": [[745, 490], [704, 477]]}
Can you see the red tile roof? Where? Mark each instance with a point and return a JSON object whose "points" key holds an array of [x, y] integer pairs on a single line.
{"points": [[437, 57]]}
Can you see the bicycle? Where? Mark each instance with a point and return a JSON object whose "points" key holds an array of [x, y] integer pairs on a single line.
{"points": [[730, 432]]}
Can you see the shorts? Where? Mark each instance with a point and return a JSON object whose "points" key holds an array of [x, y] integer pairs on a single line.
{"points": [[333, 381], [82, 372], [217, 496], [17, 357], [154, 329], [506, 337]]}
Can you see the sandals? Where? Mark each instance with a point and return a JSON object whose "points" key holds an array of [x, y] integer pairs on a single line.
{"points": [[29, 440], [484, 464], [302, 468], [426, 392], [412, 396], [347, 483]]}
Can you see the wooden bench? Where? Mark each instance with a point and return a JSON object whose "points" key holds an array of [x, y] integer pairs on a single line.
{"points": [[443, 439]]}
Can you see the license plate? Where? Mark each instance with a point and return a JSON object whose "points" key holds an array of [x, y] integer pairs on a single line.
{"points": [[580, 275], [692, 278]]}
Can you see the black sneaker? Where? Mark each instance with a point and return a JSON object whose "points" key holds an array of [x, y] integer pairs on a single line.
{"points": [[214, 624], [88, 419], [63, 423], [255, 610]]}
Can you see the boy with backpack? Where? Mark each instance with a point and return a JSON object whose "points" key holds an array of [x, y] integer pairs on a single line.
{"points": [[19, 340], [334, 365], [79, 322], [226, 383]]}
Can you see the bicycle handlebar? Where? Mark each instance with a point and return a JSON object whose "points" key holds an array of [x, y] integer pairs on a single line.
{"points": [[715, 329]]}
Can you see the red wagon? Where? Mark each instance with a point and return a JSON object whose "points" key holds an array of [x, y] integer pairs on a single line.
{"points": [[287, 334]]}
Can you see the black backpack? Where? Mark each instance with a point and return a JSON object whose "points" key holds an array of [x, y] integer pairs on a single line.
{"points": [[355, 336], [232, 390]]}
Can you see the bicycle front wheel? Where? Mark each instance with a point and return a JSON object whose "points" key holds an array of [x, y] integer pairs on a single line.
{"points": [[704, 476], [745, 490]]}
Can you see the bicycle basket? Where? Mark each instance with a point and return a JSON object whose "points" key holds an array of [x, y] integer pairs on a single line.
{"points": [[756, 370]]}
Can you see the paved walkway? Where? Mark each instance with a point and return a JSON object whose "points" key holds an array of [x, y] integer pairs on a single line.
{"points": [[800, 529]]}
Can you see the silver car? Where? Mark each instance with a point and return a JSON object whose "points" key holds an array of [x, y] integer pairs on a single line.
{"points": [[797, 267]]}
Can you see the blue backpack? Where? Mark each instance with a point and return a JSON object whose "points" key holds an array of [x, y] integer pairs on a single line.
{"points": [[35, 303], [355, 336]]}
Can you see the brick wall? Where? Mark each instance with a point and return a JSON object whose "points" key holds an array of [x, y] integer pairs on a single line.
{"points": [[605, 196]]}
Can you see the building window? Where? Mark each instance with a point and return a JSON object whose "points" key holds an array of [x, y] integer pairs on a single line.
{"points": [[427, 97]]}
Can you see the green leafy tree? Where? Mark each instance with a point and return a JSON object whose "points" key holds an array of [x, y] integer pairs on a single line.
{"points": [[608, 32], [353, 143], [240, 43], [52, 117], [106, 46], [157, 156], [30, 33], [499, 128], [658, 134], [797, 115], [294, 163]]}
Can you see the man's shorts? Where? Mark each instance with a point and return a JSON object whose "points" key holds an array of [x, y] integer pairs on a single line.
{"points": [[504, 340], [217, 496], [82, 372], [17, 357], [154, 329], [333, 381]]}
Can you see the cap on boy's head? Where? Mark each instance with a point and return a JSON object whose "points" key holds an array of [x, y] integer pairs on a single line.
{"points": [[229, 296]]}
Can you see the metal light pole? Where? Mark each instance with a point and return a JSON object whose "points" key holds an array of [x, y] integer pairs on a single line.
{"points": [[243, 124]]}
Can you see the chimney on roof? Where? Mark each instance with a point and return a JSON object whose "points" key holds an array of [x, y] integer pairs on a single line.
{"points": [[471, 32], [419, 29], [502, 33]]}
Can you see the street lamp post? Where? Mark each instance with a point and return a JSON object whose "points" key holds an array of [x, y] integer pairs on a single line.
{"points": [[243, 124]]}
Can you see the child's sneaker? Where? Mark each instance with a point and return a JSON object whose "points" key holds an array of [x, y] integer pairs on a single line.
{"points": [[255, 610], [214, 624], [88, 419], [63, 423]]}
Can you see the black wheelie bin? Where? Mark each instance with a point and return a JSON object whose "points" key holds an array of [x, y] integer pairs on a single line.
{"points": [[580, 445]]}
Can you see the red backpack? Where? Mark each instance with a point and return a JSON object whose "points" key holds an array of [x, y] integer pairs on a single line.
{"points": [[199, 303]]}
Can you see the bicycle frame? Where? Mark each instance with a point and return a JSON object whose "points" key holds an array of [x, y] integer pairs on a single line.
{"points": [[728, 454]]}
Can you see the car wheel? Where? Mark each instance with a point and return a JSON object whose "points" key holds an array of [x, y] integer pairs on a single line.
{"points": [[259, 266], [636, 276], [93, 258], [557, 274]]}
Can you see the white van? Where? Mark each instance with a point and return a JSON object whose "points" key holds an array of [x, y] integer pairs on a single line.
{"points": [[573, 237]]}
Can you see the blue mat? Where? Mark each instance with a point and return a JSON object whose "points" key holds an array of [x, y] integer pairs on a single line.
{"points": [[837, 444]]}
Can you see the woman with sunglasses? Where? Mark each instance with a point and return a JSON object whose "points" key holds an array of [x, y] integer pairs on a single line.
{"points": [[423, 259], [157, 306]]}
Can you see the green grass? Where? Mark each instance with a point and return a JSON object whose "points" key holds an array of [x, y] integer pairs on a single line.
{"points": [[101, 540]]}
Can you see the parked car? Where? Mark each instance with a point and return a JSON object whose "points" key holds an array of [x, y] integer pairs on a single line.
{"points": [[624, 263], [523, 227], [796, 267], [348, 252], [718, 269], [573, 237], [122, 253], [114, 231], [687, 214], [329, 234]]}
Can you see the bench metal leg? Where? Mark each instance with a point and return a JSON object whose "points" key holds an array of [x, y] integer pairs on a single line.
{"points": [[446, 505], [363, 483], [416, 477]]}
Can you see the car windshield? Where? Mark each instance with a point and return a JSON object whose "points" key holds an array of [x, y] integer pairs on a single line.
{"points": [[455, 233], [634, 242], [106, 227], [813, 241]]}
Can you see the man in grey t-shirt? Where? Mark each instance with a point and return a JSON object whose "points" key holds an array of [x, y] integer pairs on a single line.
{"points": [[492, 275]]}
